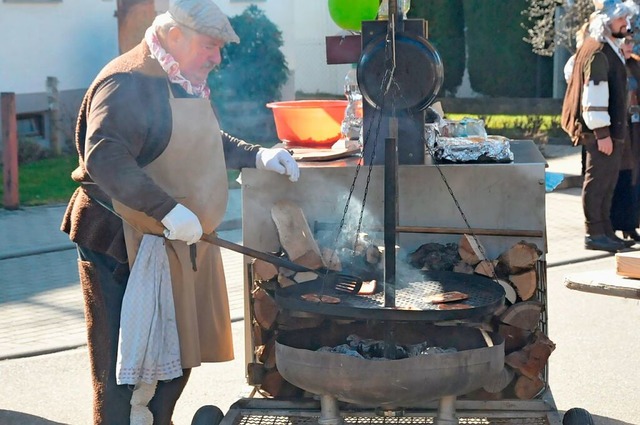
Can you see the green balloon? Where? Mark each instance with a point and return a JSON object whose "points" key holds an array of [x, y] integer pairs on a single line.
{"points": [[349, 14]]}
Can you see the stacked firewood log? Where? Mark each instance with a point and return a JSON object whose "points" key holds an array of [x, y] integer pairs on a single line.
{"points": [[527, 348]]}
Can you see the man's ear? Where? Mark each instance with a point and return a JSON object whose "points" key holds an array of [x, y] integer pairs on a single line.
{"points": [[174, 36]]}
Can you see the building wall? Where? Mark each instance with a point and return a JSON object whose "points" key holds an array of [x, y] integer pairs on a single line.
{"points": [[70, 40]]}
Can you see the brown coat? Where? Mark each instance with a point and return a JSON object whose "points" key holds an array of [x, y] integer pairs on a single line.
{"points": [[124, 123]]}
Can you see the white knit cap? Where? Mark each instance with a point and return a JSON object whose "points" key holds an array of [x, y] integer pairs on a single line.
{"points": [[204, 17]]}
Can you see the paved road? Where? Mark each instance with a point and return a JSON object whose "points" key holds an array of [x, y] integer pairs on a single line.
{"points": [[595, 364]]}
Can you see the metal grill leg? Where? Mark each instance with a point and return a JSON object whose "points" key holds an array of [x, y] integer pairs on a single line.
{"points": [[447, 411], [329, 411]]}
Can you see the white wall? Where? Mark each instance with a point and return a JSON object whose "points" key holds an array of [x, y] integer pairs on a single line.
{"points": [[71, 40]]}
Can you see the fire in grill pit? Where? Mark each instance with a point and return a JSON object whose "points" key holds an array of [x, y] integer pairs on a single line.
{"points": [[371, 349]]}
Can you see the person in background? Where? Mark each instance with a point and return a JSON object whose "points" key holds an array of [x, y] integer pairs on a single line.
{"points": [[624, 205], [580, 35], [153, 178], [568, 70], [594, 114]]}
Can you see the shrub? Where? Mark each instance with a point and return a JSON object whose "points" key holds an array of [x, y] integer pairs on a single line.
{"points": [[445, 26], [255, 68], [29, 150], [500, 62], [252, 72]]}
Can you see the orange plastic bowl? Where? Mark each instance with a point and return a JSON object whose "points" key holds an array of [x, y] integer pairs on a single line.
{"points": [[308, 123]]}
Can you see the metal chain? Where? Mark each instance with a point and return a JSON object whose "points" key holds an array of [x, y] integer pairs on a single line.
{"points": [[462, 214], [385, 85]]}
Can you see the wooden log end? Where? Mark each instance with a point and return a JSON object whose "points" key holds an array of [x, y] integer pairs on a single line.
{"points": [[265, 309], [470, 250], [486, 268], [528, 388], [525, 283], [285, 281], [523, 315], [263, 270], [521, 256], [331, 259]]}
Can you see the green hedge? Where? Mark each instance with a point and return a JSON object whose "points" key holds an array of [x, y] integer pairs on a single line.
{"points": [[446, 33], [500, 62], [251, 74]]}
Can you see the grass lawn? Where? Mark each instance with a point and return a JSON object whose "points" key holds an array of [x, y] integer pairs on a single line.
{"points": [[48, 181], [545, 123]]}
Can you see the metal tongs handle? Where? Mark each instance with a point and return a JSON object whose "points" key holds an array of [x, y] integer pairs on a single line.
{"points": [[212, 238]]}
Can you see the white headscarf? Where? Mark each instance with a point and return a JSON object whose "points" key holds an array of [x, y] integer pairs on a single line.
{"points": [[607, 11]]}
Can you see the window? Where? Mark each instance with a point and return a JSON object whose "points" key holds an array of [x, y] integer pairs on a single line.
{"points": [[30, 125]]}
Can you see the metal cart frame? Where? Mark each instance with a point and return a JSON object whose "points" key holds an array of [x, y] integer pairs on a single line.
{"points": [[503, 202]]}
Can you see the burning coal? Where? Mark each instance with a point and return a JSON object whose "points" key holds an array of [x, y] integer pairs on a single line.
{"points": [[371, 349]]}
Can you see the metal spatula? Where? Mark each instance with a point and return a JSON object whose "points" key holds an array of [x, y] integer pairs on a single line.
{"points": [[338, 281], [346, 283]]}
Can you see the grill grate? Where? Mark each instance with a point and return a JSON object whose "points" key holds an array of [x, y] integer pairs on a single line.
{"points": [[411, 299], [380, 420]]}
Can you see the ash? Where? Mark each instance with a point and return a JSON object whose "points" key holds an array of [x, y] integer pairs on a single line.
{"points": [[370, 349]]}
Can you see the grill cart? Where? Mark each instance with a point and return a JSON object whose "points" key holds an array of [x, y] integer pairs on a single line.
{"points": [[409, 358]]}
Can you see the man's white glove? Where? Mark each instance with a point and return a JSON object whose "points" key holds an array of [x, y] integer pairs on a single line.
{"points": [[278, 160], [182, 224]]}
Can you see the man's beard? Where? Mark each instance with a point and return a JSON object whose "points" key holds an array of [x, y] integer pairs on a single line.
{"points": [[620, 34]]}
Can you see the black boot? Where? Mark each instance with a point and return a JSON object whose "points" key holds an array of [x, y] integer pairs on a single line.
{"points": [[602, 243], [628, 243]]}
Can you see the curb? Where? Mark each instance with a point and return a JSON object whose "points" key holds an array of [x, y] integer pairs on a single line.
{"points": [[231, 224], [58, 349]]}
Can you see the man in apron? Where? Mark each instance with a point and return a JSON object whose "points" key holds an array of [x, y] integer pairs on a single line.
{"points": [[153, 160]]}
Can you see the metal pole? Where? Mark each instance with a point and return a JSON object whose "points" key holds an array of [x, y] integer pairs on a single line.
{"points": [[390, 220], [11, 196], [54, 110], [390, 232], [329, 411], [447, 411], [560, 57]]}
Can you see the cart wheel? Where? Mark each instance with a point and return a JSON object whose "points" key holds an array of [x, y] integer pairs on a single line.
{"points": [[207, 415], [577, 416]]}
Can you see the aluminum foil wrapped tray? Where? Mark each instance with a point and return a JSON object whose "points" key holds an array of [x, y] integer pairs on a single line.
{"points": [[472, 149]]}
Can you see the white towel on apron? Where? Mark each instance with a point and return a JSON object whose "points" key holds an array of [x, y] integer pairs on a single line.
{"points": [[148, 346]]}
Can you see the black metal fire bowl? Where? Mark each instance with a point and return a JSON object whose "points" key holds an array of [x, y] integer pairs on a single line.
{"points": [[391, 384]]}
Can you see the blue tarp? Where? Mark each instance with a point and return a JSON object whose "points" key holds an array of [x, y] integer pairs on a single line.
{"points": [[552, 180]]}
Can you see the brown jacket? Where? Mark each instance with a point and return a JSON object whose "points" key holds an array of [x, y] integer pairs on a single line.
{"points": [[124, 124], [615, 75]]}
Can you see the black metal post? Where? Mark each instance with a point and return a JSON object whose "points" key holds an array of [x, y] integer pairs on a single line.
{"points": [[390, 220]]}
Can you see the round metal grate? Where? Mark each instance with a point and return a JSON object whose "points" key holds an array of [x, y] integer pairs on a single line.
{"points": [[411, 299]]}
